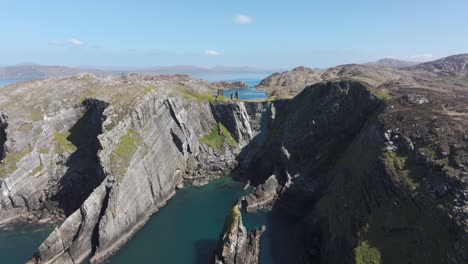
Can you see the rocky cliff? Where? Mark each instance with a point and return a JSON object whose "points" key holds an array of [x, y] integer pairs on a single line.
{"points": [[369, 178], [97, 162], [235, 245]]}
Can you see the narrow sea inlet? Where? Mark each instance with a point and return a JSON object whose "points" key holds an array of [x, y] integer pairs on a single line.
{"points": [[187, 228]]}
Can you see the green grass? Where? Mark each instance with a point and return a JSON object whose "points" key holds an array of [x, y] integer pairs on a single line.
{"points": [[8, 164], [400, 164], [26, 127], [44, 150], [218, 136], [36, 170], [397, 159], [231, 221], [222, 99], [36, 115], [365, 254], [147, 89], [382, 95], [189, 95], [123, 152], [62, 145]]}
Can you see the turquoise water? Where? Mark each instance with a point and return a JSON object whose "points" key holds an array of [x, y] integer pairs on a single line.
{"points": [[251, 80], [186, 229], [19, 242], [247, 93]]}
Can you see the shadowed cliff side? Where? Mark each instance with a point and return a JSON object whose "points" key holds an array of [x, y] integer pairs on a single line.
{"points": [[84, 171], [375, 184]]}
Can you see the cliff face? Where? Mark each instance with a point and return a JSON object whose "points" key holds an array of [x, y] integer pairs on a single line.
{"points": [[314, 126], [138, 183], [370, 180], [393, 196], [107, 164]]}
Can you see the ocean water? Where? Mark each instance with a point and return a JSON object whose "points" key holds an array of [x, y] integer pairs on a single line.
{"points": [[4, 82], [247, 93], [19, 242], [187, 228], [251, 80]]}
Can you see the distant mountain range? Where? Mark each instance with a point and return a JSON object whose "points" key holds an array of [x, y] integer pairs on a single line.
{"points": [[394, 63], [42, 71], [449, 72], [34, 71]]}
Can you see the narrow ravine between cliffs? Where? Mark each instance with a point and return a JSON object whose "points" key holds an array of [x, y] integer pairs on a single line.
{"points": [[187, 228]]}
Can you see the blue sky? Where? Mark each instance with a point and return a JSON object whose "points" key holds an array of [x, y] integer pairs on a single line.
{"points": [[268, 34]]}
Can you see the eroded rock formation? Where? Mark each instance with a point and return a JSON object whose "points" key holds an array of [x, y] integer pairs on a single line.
{"points": [[235, 245]]}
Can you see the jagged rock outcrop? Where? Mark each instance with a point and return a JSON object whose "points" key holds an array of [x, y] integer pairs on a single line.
{"points": [[264, 195], [235, 245]]}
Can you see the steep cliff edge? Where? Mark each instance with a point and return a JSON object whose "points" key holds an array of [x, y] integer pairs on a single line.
{"points": [[370, 180], [397, 193]]}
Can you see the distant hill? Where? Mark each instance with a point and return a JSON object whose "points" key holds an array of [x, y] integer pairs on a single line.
{"points": [[450, 72], [456, 65], [394, 63], [196, 70], [43, 71]]}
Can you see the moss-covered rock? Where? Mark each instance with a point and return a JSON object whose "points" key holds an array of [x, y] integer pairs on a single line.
{"points": [[124, 150], [219, 137]]}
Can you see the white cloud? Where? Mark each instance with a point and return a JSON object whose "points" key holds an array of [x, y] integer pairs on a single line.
{"points": [[75, 42], [212, 52], [243, 20], [422, 56]]}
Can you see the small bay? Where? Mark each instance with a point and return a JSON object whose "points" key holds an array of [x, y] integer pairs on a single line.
{"points": [[187, 228]]}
